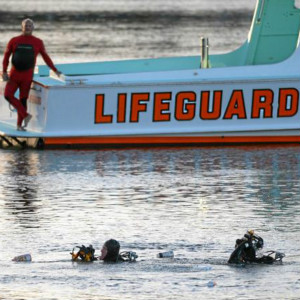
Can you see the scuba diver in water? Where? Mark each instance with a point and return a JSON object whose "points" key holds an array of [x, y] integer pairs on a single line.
{"points": [[110, 252], [245, 251]]}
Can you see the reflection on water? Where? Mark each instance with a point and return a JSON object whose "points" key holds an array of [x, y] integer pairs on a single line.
{"points": [[110, 30], [195, 201], [19, 193]]}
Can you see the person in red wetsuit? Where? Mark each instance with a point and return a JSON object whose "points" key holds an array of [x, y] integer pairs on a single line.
{"points": [[24, 50]]}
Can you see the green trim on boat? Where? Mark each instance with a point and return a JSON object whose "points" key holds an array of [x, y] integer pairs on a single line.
{"points": [[274, 32], [273, 37]]}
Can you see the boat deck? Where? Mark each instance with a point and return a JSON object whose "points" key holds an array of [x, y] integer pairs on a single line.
{"points": [[9, 130]]}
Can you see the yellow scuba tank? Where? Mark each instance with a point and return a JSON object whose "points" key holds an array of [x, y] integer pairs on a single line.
{"points": [[86, 254]]}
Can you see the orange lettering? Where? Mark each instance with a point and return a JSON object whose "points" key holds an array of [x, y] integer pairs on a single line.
{"points": [[99, 111], [121, 108], [185, 108], [215, 113], [236, 106], [286, 96], [262, 100], [138, 106], [160, 107]]}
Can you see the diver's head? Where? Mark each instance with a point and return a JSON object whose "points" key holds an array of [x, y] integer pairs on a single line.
{"points": [[249, 234], [110, 250]]}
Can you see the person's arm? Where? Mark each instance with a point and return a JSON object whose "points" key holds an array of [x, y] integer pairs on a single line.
{"points": [[48, 60], [5, 61]]}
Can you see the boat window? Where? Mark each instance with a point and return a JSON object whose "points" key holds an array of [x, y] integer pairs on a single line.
{"points": [[297, 3]]}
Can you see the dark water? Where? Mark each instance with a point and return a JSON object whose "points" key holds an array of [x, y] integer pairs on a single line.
{"points": [[109, 30], [194, 201]]}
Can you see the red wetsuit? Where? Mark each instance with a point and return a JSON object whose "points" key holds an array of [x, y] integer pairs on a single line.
{"points": [[25, 49]]}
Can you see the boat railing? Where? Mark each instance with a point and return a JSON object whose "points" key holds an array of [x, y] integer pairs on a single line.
{"points": [[69, 80], [261, 11], [204, 53]]}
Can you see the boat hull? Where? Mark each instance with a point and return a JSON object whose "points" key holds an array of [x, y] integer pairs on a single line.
{"points": [[200, 112]]}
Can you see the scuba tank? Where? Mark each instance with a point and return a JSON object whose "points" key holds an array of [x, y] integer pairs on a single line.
{"points": [[86, 254]]}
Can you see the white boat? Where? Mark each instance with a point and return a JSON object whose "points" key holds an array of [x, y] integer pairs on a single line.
{"points": [[250, 95]]}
